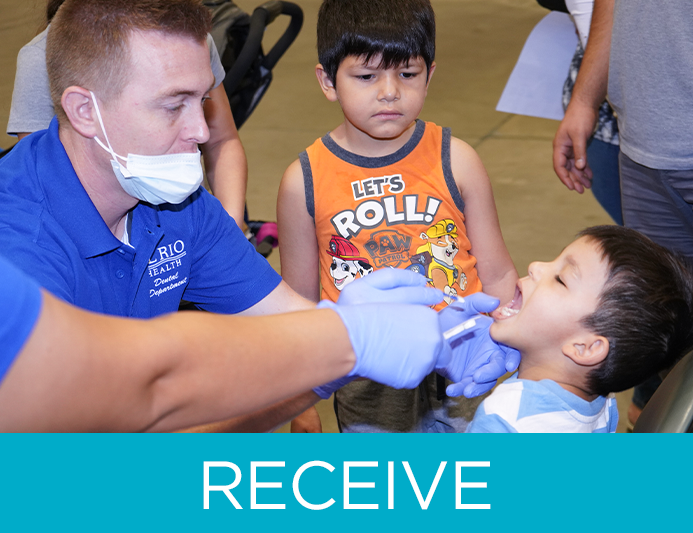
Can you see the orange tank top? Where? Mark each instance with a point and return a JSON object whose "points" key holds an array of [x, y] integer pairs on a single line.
{"points": [[403, 210]]}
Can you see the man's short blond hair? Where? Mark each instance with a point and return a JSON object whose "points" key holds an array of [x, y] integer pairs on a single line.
{"points": [[88, 40]]}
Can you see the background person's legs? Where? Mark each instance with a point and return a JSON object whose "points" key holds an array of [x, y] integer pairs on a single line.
{"points": [[659, 204], [606, 185]]}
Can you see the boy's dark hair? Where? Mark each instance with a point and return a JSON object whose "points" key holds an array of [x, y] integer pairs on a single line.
{"points": [[398, 29], [645, 309], [52, 8]]}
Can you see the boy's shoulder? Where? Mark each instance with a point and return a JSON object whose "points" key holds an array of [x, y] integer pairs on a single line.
{"points": [[426, 135], [544, 406]]}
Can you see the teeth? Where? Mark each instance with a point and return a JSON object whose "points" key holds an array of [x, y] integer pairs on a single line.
{"points": [[507, 311]]}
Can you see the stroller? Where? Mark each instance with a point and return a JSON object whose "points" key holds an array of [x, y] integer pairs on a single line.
{"points": [[238, 38]]}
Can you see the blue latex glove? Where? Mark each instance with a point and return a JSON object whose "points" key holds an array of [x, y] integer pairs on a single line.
{"points": [[328, 389], [390, 285], [478, 361], [491, 361], [396, 345]]}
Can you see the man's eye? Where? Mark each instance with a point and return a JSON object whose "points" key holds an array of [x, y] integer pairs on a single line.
{"points": [[558, 279], [174, 109]]}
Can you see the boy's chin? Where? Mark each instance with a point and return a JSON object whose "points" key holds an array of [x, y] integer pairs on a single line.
{"points": [[494, 331], [500, 333]]}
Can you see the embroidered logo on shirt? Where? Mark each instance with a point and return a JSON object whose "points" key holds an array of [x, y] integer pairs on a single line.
{"points": [[163, 267]]}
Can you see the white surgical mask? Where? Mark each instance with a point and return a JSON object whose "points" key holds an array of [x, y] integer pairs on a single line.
{"points": [[156, 179]]}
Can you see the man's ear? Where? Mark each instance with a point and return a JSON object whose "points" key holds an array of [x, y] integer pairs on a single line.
{"points": [[430, 74], [78, 106], [587, 349], [326, 84]]}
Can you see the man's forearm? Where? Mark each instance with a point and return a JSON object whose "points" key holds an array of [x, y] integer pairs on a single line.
{"points": [[264, 420], [84, 372], [592, 81]]}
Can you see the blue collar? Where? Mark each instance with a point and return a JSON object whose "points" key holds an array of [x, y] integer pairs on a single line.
{"points": [[69, 203]]}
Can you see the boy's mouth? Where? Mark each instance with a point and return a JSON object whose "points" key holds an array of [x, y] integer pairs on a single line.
{"points": [[388, 115], [510, 309]]}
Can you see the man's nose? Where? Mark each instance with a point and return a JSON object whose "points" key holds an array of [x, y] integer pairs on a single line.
{"points": [[197, 129]]}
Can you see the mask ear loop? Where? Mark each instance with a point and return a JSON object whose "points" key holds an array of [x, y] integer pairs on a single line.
{"points": [[103, 129]]}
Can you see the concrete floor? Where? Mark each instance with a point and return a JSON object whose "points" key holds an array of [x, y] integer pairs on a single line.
{"points": [[478, 42]]}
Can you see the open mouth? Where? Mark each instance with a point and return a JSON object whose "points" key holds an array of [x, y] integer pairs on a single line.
{"points": [[510, 309], [339, 282]]}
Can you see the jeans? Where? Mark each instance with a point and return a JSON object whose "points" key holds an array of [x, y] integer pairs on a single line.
{"points": [[606, 185]]}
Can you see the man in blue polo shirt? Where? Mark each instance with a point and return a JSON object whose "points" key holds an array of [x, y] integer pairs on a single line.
{"points": [[129, 245], [105, 209]]}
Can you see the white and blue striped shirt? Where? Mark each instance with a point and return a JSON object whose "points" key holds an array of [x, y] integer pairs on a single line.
{"points": [[524, 406]]}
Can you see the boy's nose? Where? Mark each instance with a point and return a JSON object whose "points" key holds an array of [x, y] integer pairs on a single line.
{"points": [[389, 91], [535, 270]]}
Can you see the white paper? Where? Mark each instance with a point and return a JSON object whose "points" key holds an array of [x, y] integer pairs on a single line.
{"points": [[535, 86]]}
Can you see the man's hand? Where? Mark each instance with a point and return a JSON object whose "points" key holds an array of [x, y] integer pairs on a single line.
{"points": [[382, 286], [487, 361], [396, 345], [570, 146], [477, 360], [390, 285]]}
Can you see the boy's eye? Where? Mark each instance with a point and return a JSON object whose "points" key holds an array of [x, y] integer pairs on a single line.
{"points": [[558, 279], [365, 77], [408, 75]]}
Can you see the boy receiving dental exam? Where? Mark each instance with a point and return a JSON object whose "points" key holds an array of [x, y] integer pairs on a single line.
{"points": [[611, 310]]}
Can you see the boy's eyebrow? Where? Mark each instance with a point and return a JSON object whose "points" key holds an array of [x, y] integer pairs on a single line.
{"points": [[573, 264]]}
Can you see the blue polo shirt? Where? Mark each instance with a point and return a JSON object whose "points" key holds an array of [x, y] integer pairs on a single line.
{"points": [[50, 228], [20, 303]]}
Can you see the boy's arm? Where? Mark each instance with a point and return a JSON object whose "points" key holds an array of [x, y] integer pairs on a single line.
{"points": [[494, 265], [298, 248], [298, 252]]}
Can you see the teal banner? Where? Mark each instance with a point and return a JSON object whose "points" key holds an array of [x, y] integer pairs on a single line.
{"points": [[350, 483]]}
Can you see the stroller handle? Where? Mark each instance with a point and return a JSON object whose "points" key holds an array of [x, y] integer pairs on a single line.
{"points": [[263, 16]]}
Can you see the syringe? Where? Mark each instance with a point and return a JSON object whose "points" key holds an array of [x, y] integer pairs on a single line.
{"points": [[459, 328]]}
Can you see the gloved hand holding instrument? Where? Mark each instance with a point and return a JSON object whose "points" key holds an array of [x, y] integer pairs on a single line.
{"points": [[399, 345], [477, 360]]}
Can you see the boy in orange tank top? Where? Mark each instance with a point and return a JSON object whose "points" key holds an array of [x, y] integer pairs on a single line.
{"points": [[386, 190]]}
